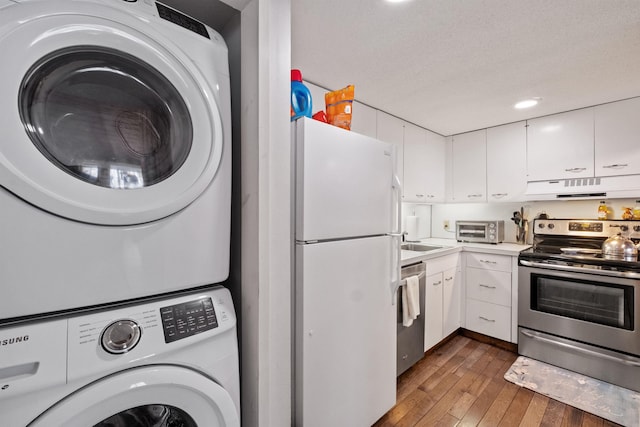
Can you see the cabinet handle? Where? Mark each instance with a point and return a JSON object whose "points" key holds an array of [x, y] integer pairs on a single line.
{"points": [[430, 196], [437, 283], [499, 195], [419, 195], [487, 286], [616, 166], [487, 262], [575, 170], [474, 195], [448, 278], [488, 320]]}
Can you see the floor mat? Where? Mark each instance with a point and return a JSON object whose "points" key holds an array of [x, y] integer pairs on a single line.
{"points": [[605, 400]]}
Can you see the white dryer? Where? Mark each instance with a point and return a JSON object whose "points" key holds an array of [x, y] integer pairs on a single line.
{"points": [[115, 154], [164, 363]]}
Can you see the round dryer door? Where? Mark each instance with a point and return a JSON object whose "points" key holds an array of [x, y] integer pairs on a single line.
{"points": [[104, 119], [160, 396]]}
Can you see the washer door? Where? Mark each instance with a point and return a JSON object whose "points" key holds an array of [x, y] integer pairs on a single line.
{"points": [[152, 396], [104, 119]]}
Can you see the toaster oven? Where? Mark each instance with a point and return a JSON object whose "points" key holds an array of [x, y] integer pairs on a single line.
{"points": [[480, 231]]}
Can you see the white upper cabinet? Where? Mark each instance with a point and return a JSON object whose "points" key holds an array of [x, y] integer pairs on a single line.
{"points": [[391, 129], [561, 146], [617, 138], [469, 167], [423, 165], [435, 166], [363, 120], [506, 162]]}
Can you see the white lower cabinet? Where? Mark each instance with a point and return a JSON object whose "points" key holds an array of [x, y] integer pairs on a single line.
{"points": [[490, 319], [442, 299], [489, 280]]}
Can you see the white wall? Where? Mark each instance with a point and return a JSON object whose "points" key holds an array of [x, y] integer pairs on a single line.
{"points": [[423, 213], [582, 209], [263, 210]]}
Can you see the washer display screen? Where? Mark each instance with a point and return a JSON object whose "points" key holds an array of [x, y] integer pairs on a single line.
{"points": [[188, 319]]}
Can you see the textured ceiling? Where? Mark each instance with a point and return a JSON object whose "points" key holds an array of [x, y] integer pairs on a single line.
{"points": [[458, 65]]}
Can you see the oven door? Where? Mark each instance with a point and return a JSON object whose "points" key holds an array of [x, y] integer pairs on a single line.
{"points": [[472, 231], [582, 306]]}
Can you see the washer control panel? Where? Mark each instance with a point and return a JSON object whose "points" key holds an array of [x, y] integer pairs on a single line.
{"points": [[187, 319], [136, 334]]}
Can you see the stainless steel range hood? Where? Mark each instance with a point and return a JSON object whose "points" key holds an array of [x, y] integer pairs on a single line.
{"points": [[620, 187]]}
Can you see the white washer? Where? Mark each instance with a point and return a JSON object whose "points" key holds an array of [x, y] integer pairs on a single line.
{"points": [[115, 174], [172, 359]]}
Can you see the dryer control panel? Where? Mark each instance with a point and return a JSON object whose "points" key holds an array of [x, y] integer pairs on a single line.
{"points": [[187, 319]]}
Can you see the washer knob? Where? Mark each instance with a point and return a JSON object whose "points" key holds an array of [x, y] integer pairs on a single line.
{"points": [[121, 336]]}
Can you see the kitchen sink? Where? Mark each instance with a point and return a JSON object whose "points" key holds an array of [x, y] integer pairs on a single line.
{"points": [[418, 247]]}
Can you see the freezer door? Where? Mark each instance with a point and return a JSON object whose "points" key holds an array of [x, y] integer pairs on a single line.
{"points": [[343, 183], [345, 333]]}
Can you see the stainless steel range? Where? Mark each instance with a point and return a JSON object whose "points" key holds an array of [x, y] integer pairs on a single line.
{"points": [[578, 309]]}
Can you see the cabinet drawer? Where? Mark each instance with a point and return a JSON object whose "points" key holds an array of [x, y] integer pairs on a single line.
{"points": [[440, 264], [489, 286], [489, 261], [489, 319]]}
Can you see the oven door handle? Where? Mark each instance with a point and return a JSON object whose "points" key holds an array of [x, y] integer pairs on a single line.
{"points": [[579, 349], [623, 274]]}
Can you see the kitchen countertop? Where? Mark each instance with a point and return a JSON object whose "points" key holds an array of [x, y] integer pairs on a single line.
{"points": [[451, 246]]}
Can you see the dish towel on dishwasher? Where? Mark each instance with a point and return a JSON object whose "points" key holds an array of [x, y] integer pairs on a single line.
{"points": [[410, 300]]}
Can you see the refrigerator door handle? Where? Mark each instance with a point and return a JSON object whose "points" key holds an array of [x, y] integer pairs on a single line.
{"points": [[396, 239]]}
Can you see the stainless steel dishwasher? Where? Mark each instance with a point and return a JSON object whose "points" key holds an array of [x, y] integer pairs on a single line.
{"points": [[410, 339]]}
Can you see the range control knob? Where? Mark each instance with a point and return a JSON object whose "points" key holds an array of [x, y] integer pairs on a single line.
{"points": [[121, 336], [541, 225], [636, 228], [551, 226]]}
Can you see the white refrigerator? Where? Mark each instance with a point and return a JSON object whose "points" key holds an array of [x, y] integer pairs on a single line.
{"points": [[347, 267]]}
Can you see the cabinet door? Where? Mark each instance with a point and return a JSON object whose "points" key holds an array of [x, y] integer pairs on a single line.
{"points": [[433, 167], [433, 310], [506, 162], [561, 146], [391, 129], [423, 165], [415, 154], [451, 301], [617, 138], [363, 120], [469, 169]]}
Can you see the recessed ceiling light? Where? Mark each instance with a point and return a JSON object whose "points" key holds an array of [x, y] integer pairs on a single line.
{"points": [[526, 103]]}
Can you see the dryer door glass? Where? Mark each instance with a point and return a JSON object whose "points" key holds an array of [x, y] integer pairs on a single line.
{"points": [[105, 117], [150, 415]]}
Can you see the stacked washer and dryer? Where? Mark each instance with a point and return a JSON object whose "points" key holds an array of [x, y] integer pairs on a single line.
{"points": [[115, 189]]}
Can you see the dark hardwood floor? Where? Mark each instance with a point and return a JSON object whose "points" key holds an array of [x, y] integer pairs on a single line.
{"points": [[461, 384]]}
